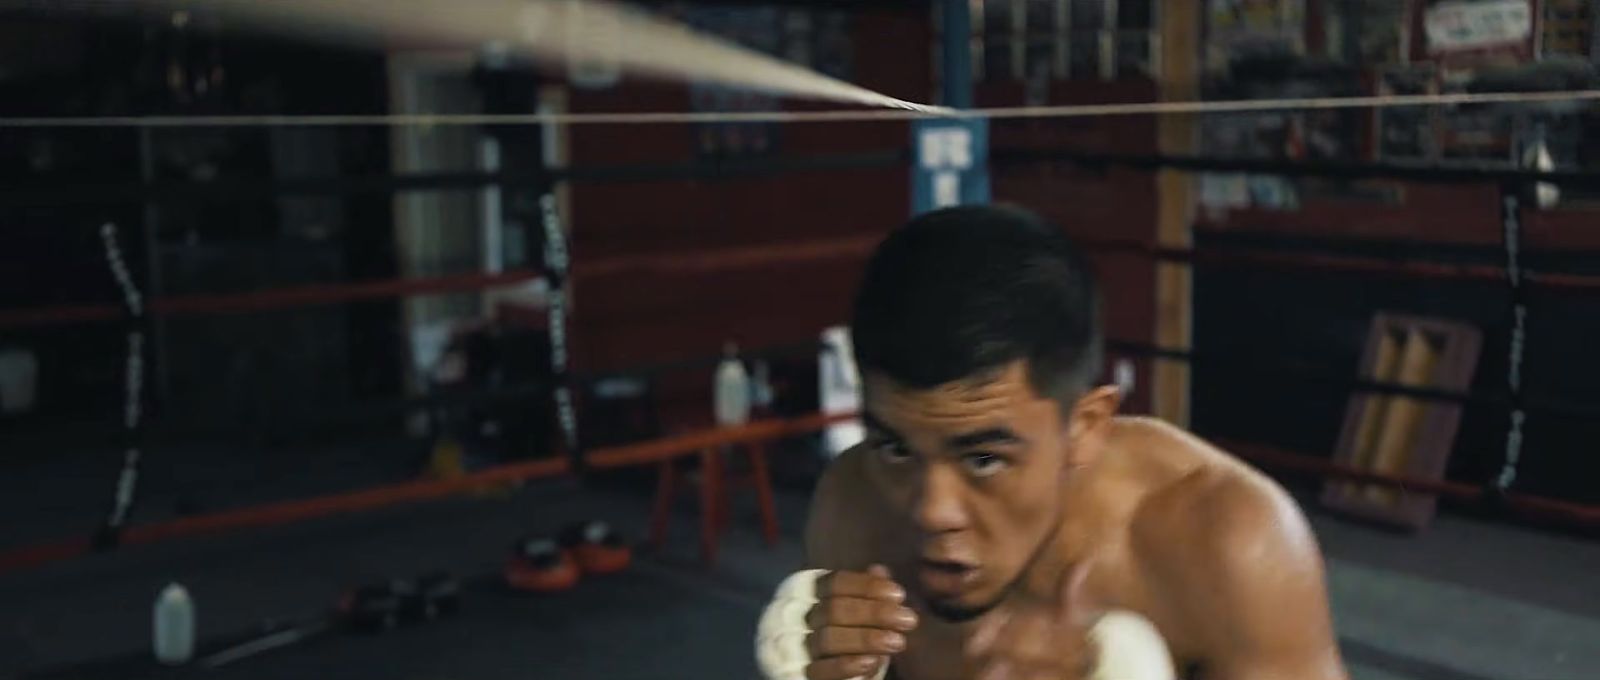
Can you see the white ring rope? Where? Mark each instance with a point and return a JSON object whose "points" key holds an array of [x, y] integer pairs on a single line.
{"points": [[670, 117], [580, 33], [571, 32]]}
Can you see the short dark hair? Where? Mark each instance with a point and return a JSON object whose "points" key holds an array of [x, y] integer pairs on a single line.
{"points": [[960, 291]]}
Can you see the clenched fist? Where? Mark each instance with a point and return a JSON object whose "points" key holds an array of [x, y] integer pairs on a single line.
{"points": [[858, 622], [1039, 640]]}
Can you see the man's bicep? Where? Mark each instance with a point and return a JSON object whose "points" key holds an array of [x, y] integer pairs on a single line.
{"points": [[818, 547], [1271, 616], [1279, 631], [1275, 660], [823, 538]]}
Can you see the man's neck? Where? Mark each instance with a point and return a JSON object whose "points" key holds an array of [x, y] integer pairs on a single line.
{"points": [[1088, 518]]}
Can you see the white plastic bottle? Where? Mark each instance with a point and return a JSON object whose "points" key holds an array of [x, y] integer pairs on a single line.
{"points": [[174, 623], [839, 390], [731, 396], [761, 395]]}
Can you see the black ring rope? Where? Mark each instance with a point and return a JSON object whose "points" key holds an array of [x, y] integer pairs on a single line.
{"points": [[558, 260], [1462, 173], [225, 190], [1239, 365], [1002, 159]]}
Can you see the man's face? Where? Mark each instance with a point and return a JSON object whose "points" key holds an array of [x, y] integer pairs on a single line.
{"points": [[974, 470]]}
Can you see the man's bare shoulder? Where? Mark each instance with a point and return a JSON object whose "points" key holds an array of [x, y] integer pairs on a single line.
{"points": [[1217, 510], [832, 527], [1225, 539], [842, 479]]}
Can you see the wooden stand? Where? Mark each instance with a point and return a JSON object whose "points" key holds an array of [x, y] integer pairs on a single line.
{"points": [[714, 491], [1403, 435]]}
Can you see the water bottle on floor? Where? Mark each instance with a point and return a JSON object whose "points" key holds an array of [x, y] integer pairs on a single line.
{"points": [[174, 625]]}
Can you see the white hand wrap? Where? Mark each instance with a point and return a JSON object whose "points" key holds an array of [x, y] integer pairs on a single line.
{"points": [[1130, 648], [781, 635]]}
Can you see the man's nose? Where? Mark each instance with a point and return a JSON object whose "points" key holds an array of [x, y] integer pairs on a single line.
{"points": [[939, 505]]}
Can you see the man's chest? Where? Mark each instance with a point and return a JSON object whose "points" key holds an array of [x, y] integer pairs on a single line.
{"points": [[937, 657], [937, 650], [933, 655]]}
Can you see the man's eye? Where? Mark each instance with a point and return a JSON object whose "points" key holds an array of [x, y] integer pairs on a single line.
{"points": [[892, 451], [984, 464]]}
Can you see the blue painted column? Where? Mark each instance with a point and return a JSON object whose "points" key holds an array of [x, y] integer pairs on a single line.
{"points": [[952, 154], [955, 48]]}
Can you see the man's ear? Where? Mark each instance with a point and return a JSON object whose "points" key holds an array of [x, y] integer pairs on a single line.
{"points": [[1089, 424]]}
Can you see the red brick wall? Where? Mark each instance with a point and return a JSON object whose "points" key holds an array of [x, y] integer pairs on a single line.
{"points": [[642, 316], [645, 315], [1117, 205]]}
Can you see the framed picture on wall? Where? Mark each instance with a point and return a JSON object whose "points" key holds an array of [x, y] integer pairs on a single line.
{"points": [[823, 40], [1568, 28], [1084, 54], [1236, 28], [1044, 18], [1257, 135], [1405, 133], [1474, 135], [833, 43], [1460, 35], [998, 42]]}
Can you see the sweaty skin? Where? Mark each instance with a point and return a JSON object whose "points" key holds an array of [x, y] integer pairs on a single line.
{"points": [[991, 479]]}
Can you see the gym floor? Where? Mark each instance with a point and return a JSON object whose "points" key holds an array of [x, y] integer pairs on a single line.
{"points": [[1465, 600]]}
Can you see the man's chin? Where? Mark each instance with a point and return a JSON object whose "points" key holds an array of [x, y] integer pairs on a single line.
{"points": [[958, 610]]}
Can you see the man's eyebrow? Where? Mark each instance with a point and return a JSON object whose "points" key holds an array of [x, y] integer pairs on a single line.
{"points": [[992, 435], [873, 423]]}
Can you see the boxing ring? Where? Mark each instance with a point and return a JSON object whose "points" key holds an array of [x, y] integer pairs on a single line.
{"points": [[136, 536], [1584, 517], [729, 569]]}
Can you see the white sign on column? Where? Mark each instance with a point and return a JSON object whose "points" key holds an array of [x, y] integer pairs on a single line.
{"points": [[946, 189], [947, 152]]}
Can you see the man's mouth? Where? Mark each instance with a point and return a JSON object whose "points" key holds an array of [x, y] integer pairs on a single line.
{"points": [[945, 578]]}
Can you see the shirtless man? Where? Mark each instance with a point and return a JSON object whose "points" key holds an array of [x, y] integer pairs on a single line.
{"points": [[999, 504]]}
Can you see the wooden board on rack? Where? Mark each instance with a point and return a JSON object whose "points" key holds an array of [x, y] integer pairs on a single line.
{"points": [[1404, 435]]}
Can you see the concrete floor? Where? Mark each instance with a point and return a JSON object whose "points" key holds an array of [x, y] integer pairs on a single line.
{"points": [[1464, 601]]}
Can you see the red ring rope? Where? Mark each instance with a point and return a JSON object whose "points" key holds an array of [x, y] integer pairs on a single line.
{"points": [[1343, 264], [410, 492], [762, 255], [657, 450], [278, 298], [1536, 507], [641, 453]]}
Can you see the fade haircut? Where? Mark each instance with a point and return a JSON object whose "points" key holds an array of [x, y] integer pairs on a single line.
{"points": [[960, 292]]}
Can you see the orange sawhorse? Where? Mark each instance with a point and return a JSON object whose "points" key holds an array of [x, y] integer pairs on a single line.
{"points": [[715, 488]]}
